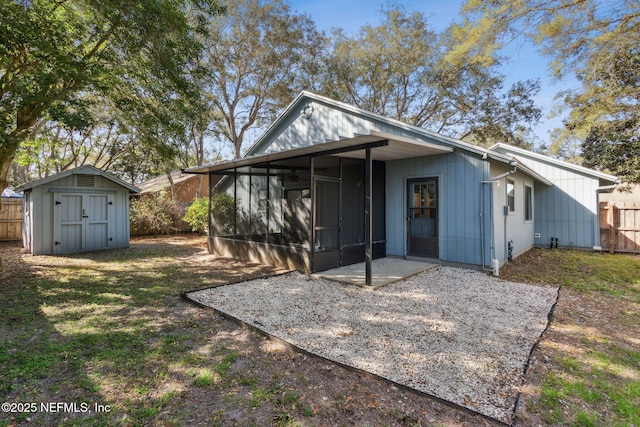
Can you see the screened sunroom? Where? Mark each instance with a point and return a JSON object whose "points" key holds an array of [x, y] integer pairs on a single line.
{"points": [[312, 208]]}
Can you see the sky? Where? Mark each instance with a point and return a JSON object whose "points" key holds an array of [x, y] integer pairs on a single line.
{"points": [[524, 60]]}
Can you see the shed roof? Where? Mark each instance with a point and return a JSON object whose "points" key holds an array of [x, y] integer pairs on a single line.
{"points": [[82, 170]]}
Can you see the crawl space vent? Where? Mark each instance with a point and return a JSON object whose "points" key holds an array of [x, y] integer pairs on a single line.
{"points": [[85, 180]]}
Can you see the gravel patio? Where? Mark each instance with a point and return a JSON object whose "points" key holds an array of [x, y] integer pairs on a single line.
{"points": [[456, 334]]}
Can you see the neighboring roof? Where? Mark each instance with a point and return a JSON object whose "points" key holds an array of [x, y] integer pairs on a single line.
{"points": [[82, 170], [159, 182], [387, 147], [516, 151], [10, 193]]}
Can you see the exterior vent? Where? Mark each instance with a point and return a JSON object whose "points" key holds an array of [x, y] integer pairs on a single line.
{"points": [[85, 180]]}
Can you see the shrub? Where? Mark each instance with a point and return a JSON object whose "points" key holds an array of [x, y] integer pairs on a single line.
{"points": [[151, 214], [196, 215], [222, 213]]}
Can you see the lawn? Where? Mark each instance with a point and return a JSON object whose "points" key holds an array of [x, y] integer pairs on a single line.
{"points": [[586, 371], [105, 339]]}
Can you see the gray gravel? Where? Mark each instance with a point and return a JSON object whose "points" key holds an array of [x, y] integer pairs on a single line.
{"points": [[457, 334]]}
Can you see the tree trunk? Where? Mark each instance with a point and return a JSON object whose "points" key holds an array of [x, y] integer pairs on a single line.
{"points": [[171, 186], [200, 161], [7, 152]]}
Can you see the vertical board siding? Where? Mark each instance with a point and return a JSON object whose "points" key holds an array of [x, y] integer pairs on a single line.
{"points": [[325, 124], [106, 225], [459, 176], [567, 210]]}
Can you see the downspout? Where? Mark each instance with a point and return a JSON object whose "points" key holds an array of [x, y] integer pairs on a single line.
{"points": [[491, 237], [596, 231]]}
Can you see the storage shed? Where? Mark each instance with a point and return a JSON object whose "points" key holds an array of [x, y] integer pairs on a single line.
{"points": [[78, 210]]}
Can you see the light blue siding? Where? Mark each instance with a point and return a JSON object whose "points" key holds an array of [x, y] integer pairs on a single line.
{"points": [[327, 123], [44, 225], [567, 210], [459, 177]]}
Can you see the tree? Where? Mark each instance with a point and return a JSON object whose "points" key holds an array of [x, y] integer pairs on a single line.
{"points": [[258, 56], [615, 147], [595, 41], [52, 147], [51, 52], [399, 69]]}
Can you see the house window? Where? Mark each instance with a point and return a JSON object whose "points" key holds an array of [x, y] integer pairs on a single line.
{"points": [[511, 195], [528, 203]]}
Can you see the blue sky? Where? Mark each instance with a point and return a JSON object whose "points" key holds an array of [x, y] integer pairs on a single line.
{"points": [[525, 62]]}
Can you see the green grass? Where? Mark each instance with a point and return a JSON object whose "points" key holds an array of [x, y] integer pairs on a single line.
{"points": [[596, 380], [89, 327], [612, 274]]}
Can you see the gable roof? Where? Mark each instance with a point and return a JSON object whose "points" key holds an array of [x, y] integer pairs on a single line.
{"points": [[410, 146], [516, 152], [82, 170], [298, 102]]}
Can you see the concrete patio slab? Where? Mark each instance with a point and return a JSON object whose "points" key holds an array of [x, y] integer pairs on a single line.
{"points": [[384, 271]]}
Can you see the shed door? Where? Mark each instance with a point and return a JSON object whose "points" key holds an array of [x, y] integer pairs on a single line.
{"points": [[422, 217], [96, 221], [69, 223], [81, 222]]}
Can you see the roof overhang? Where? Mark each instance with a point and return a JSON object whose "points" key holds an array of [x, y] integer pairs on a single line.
{"points": [[383, 147], [528, 171], [517, 152], [81, 170]]}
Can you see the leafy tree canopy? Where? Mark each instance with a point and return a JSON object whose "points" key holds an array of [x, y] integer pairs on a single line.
{"points": [[597, 41], [400, 69], [614, 147], [256, 58], [53, 52]]}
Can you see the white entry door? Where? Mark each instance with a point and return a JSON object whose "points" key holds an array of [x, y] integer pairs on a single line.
{"points": [[81, 222]]}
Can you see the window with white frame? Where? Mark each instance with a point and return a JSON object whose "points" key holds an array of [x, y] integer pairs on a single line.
{"points": [[528, 203], [511, 195]]}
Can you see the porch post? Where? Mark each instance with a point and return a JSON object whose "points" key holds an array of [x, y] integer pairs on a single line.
{"points": [[312, 231], [235, 203], [368, 231]]}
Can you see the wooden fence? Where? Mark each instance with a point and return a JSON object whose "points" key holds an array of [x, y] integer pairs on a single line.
{"points": [[620, 227], [11, 219]]}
